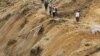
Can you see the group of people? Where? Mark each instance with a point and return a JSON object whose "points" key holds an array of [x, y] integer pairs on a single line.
{"points": [[53, 11], [48, 6]]}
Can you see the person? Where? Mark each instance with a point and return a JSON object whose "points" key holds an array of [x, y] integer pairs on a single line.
{"points": [[46, 4], [50, 10], [77, 15], [54, 11]]}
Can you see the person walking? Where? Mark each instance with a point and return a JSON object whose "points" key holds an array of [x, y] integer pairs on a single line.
{"points": [[77, 15], [54, 11], [50, 10], [46, 3]]}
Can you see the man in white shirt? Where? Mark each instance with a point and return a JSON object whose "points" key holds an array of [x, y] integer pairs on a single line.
{"points": [[77, 15], [54, 11]]}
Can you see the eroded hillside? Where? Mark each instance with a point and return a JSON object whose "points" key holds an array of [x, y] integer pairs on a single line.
{"points": [[21, 20]]}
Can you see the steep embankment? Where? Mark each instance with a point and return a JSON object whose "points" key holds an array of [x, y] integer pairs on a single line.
{"points": [[20, 22]]}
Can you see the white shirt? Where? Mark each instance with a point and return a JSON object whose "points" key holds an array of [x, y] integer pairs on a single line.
{"points": [[77, 14], [54, 9]]}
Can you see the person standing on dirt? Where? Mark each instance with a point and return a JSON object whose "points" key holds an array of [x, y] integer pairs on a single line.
{"points": [[50, 10], [46, 3], [77, 15], [54, 11]]}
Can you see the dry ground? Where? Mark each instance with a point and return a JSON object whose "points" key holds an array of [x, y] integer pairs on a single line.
{"points": [[20, 21]]}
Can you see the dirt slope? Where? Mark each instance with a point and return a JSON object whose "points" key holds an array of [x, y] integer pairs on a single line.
{"points": [[20, 21]]}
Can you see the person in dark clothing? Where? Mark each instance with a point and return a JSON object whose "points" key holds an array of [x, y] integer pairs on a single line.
{"points": [[56, 11], [50, 10], [46, 4]]}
